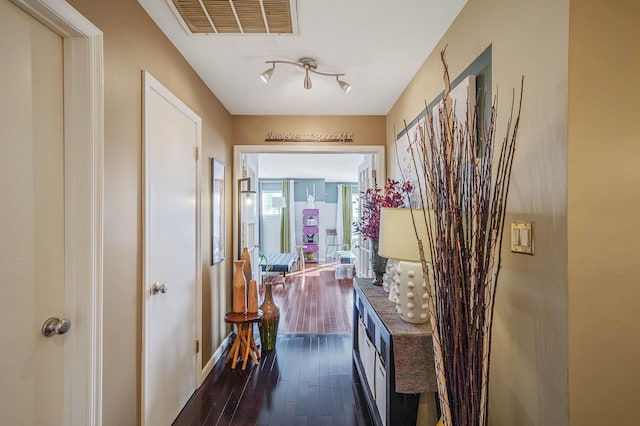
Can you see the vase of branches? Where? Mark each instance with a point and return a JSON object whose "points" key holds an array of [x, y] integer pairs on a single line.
{"points": [[395, 194], [465, 191]]}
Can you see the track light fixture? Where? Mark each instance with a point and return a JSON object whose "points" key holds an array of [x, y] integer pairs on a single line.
{"points": [[265, 76], [307, 65]]}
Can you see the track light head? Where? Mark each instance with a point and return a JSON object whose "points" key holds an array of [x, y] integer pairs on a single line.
{"points": [[307, 80], [343, 85], [266, 75]]}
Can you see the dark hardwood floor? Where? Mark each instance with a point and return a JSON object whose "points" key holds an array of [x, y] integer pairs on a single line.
{"points": [[307, 380]]}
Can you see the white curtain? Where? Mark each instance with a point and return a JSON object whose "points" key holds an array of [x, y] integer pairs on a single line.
{"points": [[292, 217]]}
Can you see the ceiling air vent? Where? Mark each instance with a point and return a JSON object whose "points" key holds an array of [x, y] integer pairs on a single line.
{"points": [[236, 16]]}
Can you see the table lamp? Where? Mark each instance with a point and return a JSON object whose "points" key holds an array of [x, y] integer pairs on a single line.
{"points": [[398, 241]]}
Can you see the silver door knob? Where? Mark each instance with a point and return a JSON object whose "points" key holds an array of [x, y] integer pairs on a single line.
{"points": [[159, 288], [54, 326]]}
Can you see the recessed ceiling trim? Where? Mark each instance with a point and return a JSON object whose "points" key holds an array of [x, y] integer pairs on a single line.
{"points": [[181, 21], [293, 7]]}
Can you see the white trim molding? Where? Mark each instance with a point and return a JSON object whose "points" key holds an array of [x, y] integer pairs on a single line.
{"points": [[217, 355], [238, 150]]}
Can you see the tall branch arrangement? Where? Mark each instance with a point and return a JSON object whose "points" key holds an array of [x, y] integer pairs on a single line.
{"points": [[466, 191]]}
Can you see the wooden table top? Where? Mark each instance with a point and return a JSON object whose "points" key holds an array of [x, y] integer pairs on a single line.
{"points": [[412, 343], [239, 318]]}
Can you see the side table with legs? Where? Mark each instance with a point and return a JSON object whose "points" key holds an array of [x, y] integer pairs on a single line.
{"points": [[244, 345]]}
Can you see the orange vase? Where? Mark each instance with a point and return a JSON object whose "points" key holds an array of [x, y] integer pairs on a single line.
{"points": [[239, 288], [252, 299], [247, 264]]}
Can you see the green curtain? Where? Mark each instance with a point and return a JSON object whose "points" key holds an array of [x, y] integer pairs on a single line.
{"points": [[347, 219], [285, 220]]}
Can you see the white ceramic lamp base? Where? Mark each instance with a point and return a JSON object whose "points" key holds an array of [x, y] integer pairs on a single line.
{"points": [[411, 292], [393, 281], [387, 278]]}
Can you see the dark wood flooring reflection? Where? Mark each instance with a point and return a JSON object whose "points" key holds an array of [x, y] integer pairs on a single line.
{"points": [[307, 380]]}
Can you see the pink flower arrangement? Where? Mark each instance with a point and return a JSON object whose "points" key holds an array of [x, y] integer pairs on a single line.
{"points": [[395, 194]]}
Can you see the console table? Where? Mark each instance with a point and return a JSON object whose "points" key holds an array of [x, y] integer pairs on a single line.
{"points": [[393, 358]]}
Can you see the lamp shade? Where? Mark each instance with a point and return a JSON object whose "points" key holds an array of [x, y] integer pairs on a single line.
{"points": [[398, 239]]}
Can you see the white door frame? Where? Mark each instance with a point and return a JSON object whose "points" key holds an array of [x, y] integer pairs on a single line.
{"points": [[151, 84], [83, 156], [238, 150]]}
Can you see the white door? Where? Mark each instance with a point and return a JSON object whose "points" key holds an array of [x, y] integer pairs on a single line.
{"points": [[50, 214], [172, 264], [31, 220], [366, 180]]}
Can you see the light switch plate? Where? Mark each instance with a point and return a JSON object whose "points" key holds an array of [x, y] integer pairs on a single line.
{"points": [[522, 240]]}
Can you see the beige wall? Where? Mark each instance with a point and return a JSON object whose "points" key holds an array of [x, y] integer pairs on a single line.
{"points": [[252, 129], [529, 356], [133, 43], [604, 201]]}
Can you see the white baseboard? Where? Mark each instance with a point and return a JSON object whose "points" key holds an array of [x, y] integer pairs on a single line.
{"points": [[216, 356]]}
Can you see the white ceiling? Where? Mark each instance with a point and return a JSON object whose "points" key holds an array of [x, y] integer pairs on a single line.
{"points": [[378, 44], [330, 167]]}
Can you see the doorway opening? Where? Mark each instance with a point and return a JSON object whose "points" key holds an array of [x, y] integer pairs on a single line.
{"points": [[273, 164]]}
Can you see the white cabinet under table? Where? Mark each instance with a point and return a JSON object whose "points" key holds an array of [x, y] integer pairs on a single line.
{"points": [[393, 358]]}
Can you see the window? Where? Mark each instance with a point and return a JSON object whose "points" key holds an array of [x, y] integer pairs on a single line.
{"points": [[267, 203]]}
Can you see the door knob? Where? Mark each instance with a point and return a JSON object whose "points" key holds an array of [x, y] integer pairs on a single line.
{"points": [[159, 288], [54, 326]]}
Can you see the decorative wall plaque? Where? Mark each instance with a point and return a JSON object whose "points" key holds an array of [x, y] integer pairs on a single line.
{"points": [[343, 137]]}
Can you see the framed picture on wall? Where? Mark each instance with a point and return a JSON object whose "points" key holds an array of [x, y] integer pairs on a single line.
{"points": [[217, 212]]}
